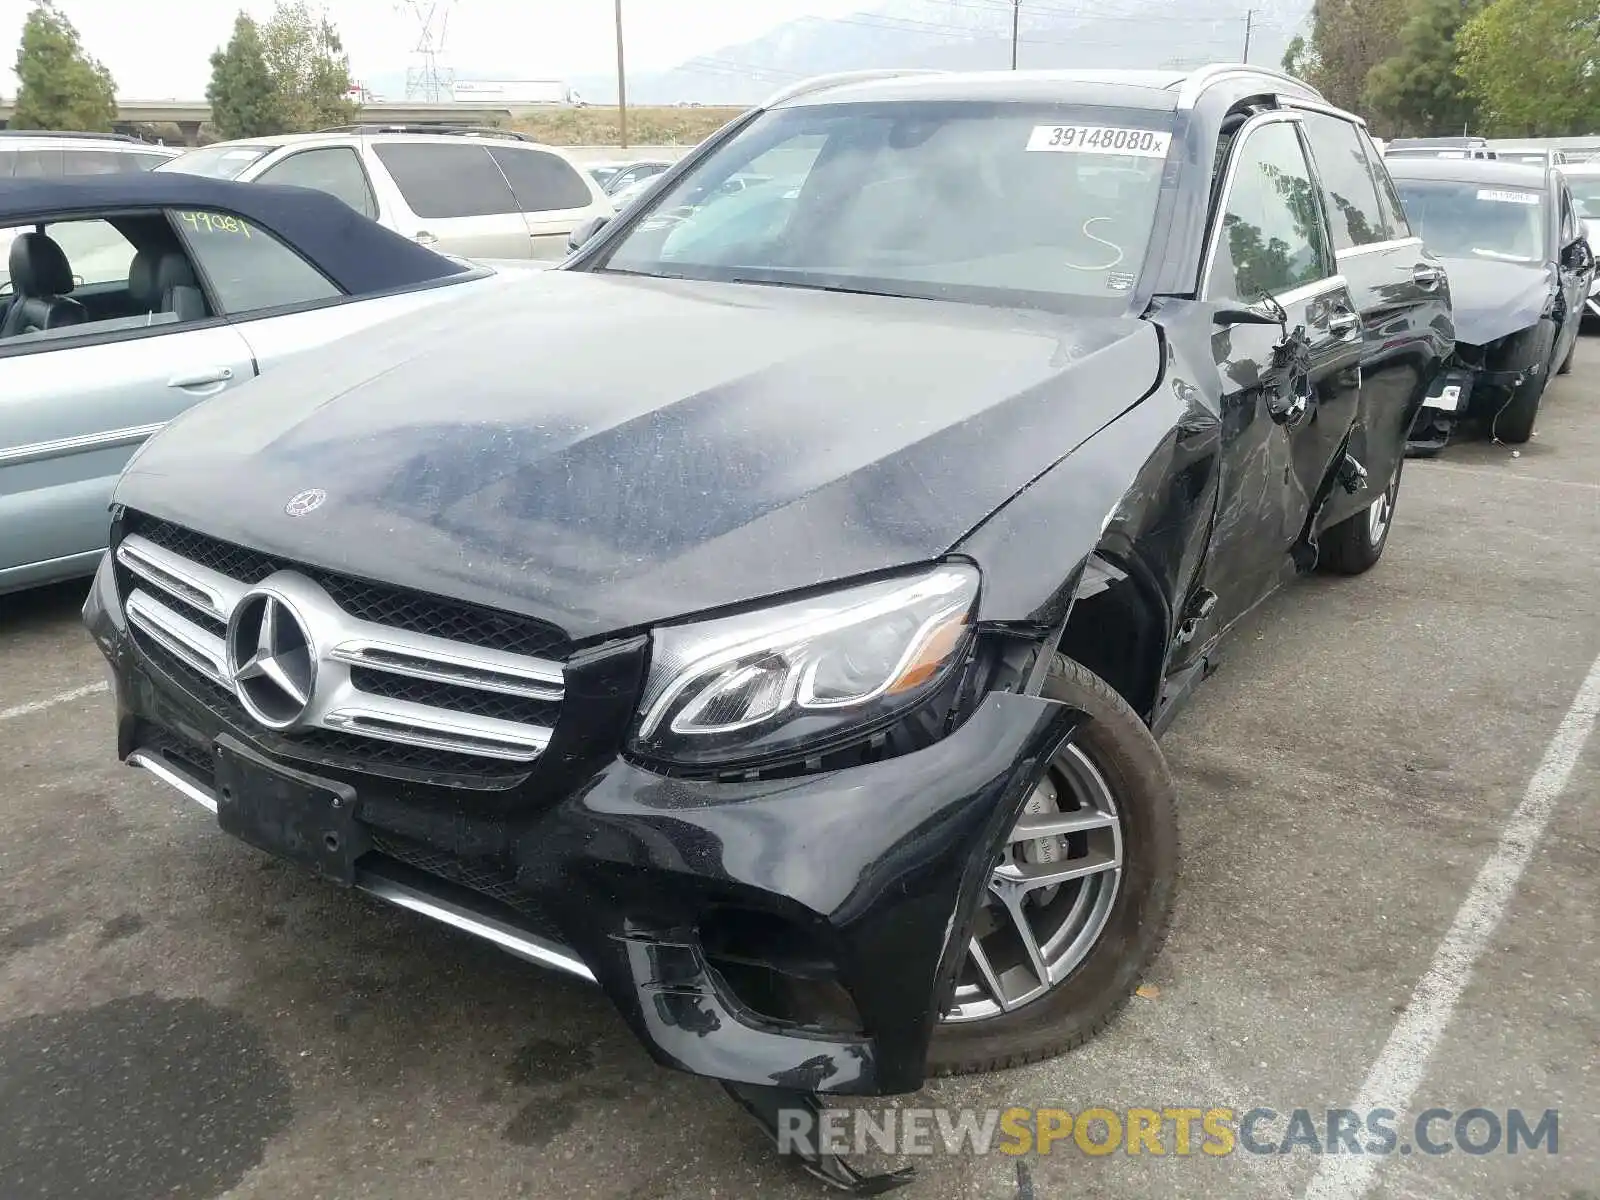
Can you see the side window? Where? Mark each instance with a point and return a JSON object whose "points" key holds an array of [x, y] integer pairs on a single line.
{"points": [[96, 252], [441, 181], [1271, 237], [142, 162], [249, 269], [36, 164], [333, 169], [91, 162], [1394, 214], [541, 182], [1350, 195]]}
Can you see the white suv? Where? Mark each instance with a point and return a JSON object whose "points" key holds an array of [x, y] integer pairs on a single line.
{"points": [[31, 154], [477, 193]]}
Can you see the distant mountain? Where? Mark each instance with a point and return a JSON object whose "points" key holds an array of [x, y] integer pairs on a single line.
{"points": [[948, 34], [971, 35]]}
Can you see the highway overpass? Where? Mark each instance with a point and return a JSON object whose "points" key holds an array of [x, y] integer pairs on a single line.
{"points": [[189, 115]]}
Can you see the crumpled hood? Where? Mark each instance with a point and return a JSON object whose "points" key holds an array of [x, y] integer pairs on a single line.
{"points": [[605, 452], [1492, 299]]}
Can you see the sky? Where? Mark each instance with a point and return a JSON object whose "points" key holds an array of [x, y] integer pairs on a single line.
{"points": [[164, 55]]}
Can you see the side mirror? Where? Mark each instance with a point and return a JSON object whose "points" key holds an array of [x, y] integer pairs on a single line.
{"points": [[584, 232], [1579, 256], [1245, 314]]}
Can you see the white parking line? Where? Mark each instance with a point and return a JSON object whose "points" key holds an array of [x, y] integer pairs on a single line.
{"points": [[22, 710], [1394, 1077]]}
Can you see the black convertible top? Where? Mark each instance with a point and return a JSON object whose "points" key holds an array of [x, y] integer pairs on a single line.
{"points": [[359, 255]]}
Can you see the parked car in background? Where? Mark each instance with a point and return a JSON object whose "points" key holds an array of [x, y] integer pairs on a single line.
{"points": [[146, 293], [767, 613], [479, 193], [1584, 180], [1439, 147], [35, 154], [1520, 269], [614, 177], [1531, 156]]}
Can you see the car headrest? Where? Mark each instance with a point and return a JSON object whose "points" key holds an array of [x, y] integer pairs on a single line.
{"points": [[155, 273], [39, 267]]}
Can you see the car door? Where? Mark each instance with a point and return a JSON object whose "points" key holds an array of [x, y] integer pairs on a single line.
{"points": [[457, 198], [553, 197], [1289, 391], [1399, 290], [1576, 273], [75, 403]]}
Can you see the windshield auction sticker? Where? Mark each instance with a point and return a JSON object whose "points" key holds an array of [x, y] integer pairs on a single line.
{"points": [[1099, 139], [1500, 197]]}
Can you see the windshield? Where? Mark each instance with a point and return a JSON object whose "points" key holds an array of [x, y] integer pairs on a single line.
{"points": [[1458, 219], [984, 203], [216, 162]]}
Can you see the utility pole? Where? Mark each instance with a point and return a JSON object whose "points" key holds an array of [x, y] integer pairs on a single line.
{"points": [[1016, 21], [622, 85], [1249, 22]]}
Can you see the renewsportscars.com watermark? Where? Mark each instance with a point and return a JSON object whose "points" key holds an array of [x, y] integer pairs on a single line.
{"points": [[1182, 1132]]}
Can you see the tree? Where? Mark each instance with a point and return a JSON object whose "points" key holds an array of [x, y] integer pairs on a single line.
{"points": [[1299, 59], [58, 85], [308, 66], [1534, 66], [1416, 92], [244, 99], [1349, 38]]}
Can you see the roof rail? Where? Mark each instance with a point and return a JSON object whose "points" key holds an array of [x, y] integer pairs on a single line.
{"points": [[818, 83], [72, 133], [1199, 80], [454, 130]]}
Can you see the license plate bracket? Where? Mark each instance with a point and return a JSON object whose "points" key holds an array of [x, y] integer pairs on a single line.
{"points": [[1450, 391], [307, 821]]}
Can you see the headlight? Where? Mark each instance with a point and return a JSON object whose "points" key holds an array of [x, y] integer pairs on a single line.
{"points": [[804, 675]]}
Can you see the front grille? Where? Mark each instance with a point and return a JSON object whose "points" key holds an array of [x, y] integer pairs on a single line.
{"points": [[394, 697], [382, 604]]}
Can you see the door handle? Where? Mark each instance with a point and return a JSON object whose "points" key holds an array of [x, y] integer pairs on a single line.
{"points": [[1343, 323], [212, 378], [1426, 277]]}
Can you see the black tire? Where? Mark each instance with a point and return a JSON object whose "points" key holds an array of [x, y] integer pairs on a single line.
{"points": [[1572, 353], [1513, 424], [1085, 1002], [1349, 548]]}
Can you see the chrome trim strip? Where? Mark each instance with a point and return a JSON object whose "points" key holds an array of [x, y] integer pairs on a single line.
{"points": [[524, 945], [446, 911], [206, 589], [171, 778], [436, 728], [1193, 85], [55, 448], [1378, 247], [421, 656], [1594, 304], [201, 649], [1323, 107], [1308, 291]]}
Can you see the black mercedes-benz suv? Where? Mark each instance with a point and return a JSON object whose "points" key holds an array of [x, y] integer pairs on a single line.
{"points": [[768, 614]]}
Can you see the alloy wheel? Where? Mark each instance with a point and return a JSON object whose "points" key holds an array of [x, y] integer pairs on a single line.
{"points": [[1050, 896], [1381, 511]]}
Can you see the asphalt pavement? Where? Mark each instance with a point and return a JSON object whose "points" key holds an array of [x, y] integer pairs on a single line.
{"points": [[1391, 853]]}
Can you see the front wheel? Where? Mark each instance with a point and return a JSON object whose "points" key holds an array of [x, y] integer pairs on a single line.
{"points": [[1355, 544], [1079, 896]]}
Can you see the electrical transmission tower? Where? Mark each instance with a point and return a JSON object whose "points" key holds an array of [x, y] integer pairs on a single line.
{"points": [[427, 79]]}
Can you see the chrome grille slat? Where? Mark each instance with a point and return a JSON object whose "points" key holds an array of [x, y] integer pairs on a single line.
{"points": [[198, 647], [168, 595]]}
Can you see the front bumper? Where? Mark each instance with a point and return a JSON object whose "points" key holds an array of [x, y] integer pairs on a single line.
{"points": [[800, 932]]}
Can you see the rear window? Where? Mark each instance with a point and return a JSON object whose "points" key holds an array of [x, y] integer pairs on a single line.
{"points": [[1347, 184], [540, 181], [443, 181]]}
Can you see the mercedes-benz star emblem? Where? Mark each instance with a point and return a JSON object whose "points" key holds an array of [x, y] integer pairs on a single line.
{"points": [[270, 659], [304, 502]]}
